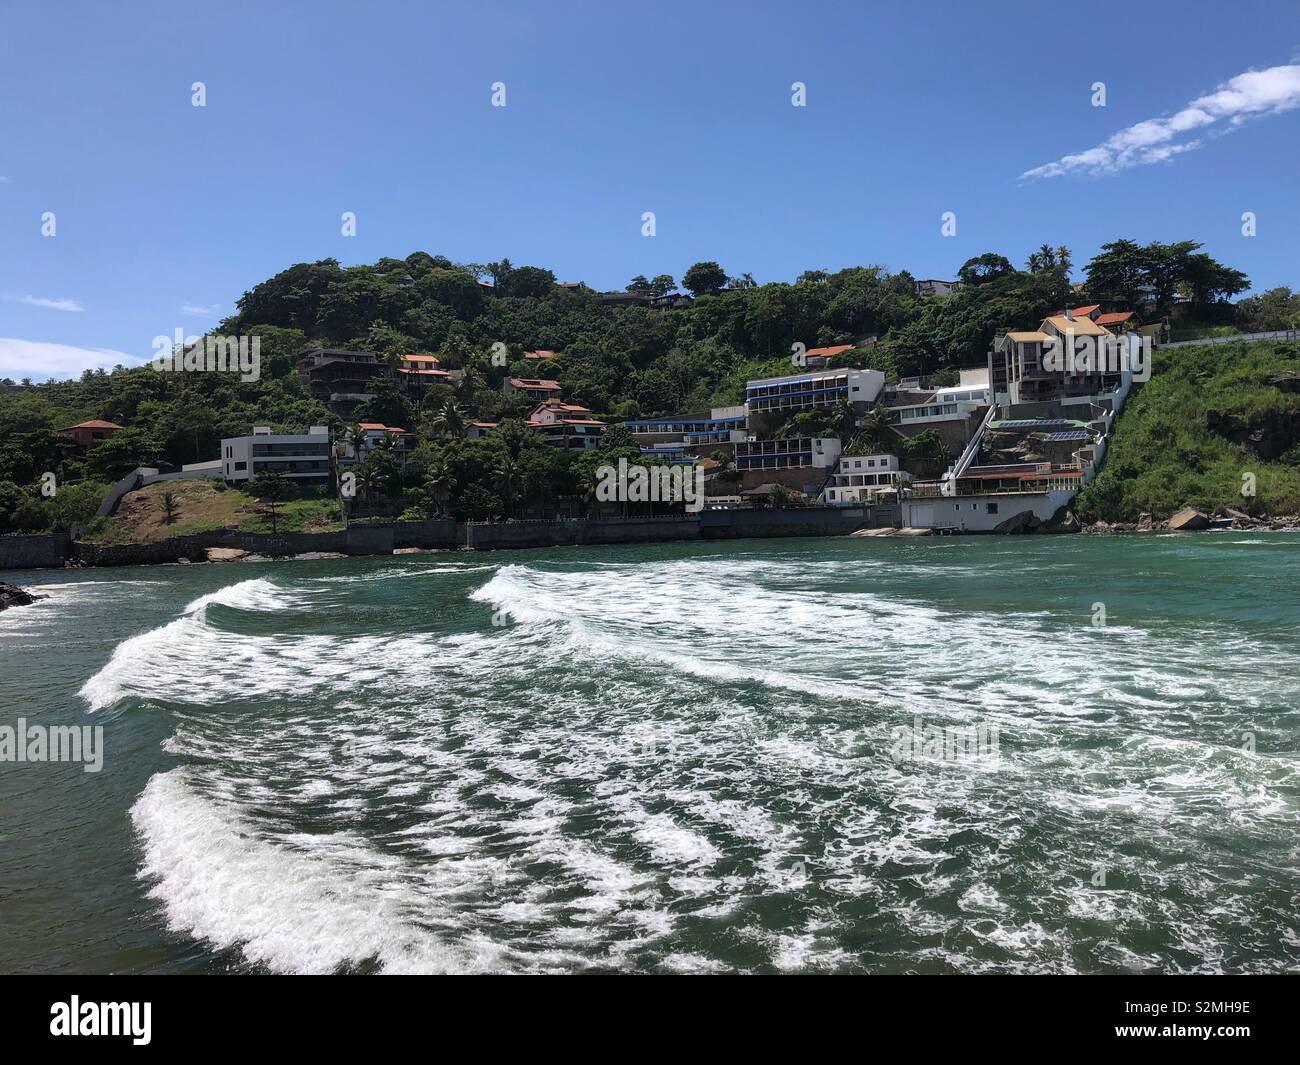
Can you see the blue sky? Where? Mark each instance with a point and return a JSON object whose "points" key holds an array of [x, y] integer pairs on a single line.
{"points": [[383, 109]]}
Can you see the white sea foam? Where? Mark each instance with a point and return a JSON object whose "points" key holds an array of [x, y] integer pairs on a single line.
{"points": [[652, 747], [311, 908]]}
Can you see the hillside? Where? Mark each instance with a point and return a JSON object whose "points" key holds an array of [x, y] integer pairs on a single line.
{"points": [[681, 355], [203, 506], [1186, 437]]}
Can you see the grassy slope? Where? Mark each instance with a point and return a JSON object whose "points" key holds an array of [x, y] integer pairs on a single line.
{"points": [[202, 506], [1172, 446]]}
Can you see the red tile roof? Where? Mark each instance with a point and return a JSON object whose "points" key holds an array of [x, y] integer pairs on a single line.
{"points": [[540, 353], [1114, 318], [380, 426], [421, 358], [831, 352], [560, 405], [93, 423], [1079, 312], [529, 383]]}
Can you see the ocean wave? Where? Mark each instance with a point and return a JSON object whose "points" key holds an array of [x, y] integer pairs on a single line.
{"points": [[310, 905], [182, 657]]}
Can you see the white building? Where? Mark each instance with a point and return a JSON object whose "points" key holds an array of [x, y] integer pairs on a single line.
{"points": [[860, 478], [819, 452], [374, 435], [950, 403], [932, 286], [298, 456], [823, 389], [980, 513]]}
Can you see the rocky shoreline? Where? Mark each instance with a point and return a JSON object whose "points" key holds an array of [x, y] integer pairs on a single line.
{"points": [[1189, 519], [12, 595]]}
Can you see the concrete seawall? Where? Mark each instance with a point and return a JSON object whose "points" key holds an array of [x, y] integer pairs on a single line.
{"points": [[33, 552]]}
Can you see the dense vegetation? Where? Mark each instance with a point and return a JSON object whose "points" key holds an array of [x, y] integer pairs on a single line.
{"points": [[1207, 416], [620, 361]]}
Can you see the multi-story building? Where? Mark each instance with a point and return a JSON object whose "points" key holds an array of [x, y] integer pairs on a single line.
{"points": [[824, 389], [723, 425], [566, 425], [415, 373], [339, 378], [861, 478], [791, 453], [1019, 365], [299, 456]]}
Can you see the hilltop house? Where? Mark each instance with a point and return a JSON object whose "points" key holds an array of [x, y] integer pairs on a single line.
{"points": [[534, 389], [566, 425], [1017, 365], [415, 373], [339, 378], [88, 433]]}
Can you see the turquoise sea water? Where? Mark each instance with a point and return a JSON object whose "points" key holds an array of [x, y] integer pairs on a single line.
{"points": [[665, 759]]}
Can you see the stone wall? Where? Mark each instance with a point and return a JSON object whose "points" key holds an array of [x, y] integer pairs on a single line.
{"points": [[33, 552], [795, 521], [22, 552]]}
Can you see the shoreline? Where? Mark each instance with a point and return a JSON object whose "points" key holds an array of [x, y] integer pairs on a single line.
{"points": [[184, 551]]}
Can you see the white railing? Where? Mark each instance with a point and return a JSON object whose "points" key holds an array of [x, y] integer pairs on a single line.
{"points": [[972, 447], [1279, 334]]}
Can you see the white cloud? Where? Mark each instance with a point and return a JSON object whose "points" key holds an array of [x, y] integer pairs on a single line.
{"points": [[40, 360], [64, 304], [199, 310], [1254, 94]]}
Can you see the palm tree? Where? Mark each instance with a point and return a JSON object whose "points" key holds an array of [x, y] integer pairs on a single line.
{"points": [[355, 437], [844, 416], [449, 421], [370, 479], [440, 481], [505, 475]]}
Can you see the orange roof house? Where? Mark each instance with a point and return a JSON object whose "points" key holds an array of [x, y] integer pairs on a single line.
{"points": [[533, 388], [87, 433], [1090, 311]]}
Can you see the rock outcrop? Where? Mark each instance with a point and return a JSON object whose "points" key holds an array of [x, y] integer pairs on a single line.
{"points": [[1024, 522], [1189, 519], [12, 595]]}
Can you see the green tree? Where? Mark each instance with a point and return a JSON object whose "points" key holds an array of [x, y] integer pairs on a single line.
{"points": [[984, 268], [705, 278], [272, 488]]}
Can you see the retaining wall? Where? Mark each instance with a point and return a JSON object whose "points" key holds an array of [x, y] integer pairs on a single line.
{"points": [[33, 552]]}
